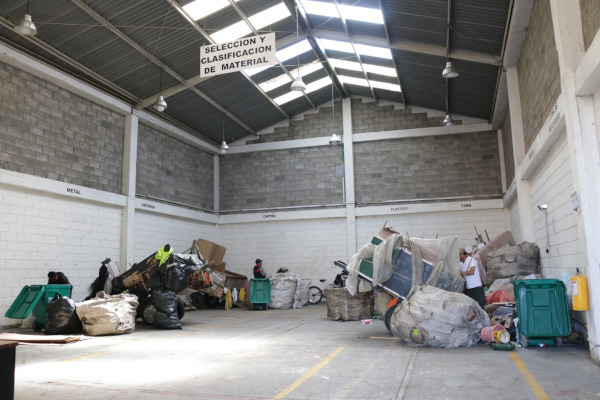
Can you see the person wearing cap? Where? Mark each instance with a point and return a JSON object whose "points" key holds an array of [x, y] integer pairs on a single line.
{"points": [[258, 270], [470, 271]]}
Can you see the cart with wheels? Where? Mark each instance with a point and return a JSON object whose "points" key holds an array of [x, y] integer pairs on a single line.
{"points": [[543, 312], [35, 298]]}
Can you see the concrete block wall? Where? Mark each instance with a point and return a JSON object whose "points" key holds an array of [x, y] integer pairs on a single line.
{"points": [[280, 178], [152, 231], [306, 247], [42, 233], [590, 20], [507, 144], [309, 125], [552, 184], [49, 132], [427, 167], [539, 75], [367, 116], [440, 224], [171, 170]]}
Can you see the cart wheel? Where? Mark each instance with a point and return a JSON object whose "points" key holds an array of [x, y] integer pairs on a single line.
{"points": [[38, 327], [147, 312], [315, 295], [524, 341], [558, 341]]}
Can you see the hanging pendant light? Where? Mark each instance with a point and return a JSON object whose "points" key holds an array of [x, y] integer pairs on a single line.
{"points": [[160, 104], [298, 84], [448, 121], [224, 146], [26, 27], [334, 139], [450, 71]]}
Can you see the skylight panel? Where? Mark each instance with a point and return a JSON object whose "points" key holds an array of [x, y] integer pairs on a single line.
{"points": [[329, 10], [269, 16], [201, 8], [307, 69], [318, 84], [344, 64], [275, 82], [366, 50], [232, 32], [329, 44], [353, 81], [287, 97], [289, 52], [259, 21], [379, 70], [386, 86], [354, 66]]}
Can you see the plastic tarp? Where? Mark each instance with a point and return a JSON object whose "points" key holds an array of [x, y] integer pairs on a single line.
{"points": [[443, 255], [383, 259], [434, 317], [353, 267], [108, 315]]}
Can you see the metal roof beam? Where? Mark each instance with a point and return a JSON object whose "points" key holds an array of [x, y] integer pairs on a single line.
{"points": [[308, 34], [245, 18], [356, 52], [405, 45], [205, 34], [92, 13], [387, 36]]}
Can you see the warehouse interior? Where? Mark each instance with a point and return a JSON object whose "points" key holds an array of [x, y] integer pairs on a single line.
{"points": [[438, 118]]}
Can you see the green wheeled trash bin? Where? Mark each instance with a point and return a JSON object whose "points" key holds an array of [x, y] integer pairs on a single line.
{"points": [[35, 298], [543, 311], [259, 293]]}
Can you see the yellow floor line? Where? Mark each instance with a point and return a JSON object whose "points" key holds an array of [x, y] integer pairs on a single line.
{"points": [[307, 375], [533, 384], [88, 356]]}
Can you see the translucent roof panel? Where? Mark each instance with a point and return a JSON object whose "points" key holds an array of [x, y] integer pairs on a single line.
{"points": [[201, 8], [363, 14]]}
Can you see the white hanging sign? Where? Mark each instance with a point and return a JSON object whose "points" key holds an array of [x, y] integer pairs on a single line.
{"points": [[244, 53]]}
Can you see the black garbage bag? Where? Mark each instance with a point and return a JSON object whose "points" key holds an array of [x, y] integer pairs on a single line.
{"points": [[177, 273], [165, 306], [99, 282], [61, 318]]}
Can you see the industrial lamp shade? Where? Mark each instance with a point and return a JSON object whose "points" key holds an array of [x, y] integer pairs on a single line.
{"points": [[160, 104], [334, 139], [450, 71], [448, 121], [224, 146], [298, 85], [26, 27]]}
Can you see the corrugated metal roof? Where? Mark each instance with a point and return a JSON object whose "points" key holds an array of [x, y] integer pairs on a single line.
{"points": [[92, 52]]}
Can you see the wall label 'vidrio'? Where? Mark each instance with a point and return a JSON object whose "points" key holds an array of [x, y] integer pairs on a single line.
{"points": [[465, 205], [74, 191]]}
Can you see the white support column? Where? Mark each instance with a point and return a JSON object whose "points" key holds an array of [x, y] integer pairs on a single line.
{"points": [[584, 153], [216, 194], [518, 143], [502, 162], [128, 189], [348, 143]]}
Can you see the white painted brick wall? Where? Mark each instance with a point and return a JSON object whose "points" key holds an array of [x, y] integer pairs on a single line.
{"points": [[442, 224], [47, 233], [552, 184], [307, 247], [515, 227], [152, 231]]}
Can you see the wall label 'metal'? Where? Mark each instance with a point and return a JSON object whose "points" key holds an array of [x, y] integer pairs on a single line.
{"points": [[74, 191]]}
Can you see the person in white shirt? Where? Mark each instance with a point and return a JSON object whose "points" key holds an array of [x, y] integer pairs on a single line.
{"points": [[470, 271]]}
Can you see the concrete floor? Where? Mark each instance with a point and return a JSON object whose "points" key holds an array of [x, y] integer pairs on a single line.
{"points": [[292, 354]]}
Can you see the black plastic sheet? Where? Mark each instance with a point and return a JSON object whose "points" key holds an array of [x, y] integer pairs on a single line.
{"points": [[165, 305]]}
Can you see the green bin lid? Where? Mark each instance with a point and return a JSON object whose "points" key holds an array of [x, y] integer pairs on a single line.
{"points": [[25, 301]]}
